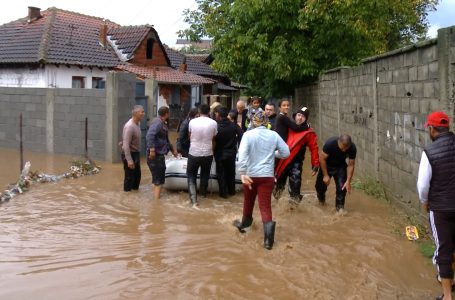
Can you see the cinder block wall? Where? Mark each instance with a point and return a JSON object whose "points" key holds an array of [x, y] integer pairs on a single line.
{"points": [[54, 119], [383, 104]]}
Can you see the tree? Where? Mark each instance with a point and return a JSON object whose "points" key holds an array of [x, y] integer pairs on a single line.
{"points": [[274, 45]]}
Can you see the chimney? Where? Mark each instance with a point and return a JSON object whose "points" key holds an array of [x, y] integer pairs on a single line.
{"points": [[183, 66], [34, 13], [103, 34]]}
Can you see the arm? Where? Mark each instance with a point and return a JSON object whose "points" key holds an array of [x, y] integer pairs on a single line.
{"points": [[347, 184], [151, 138], [323, 163], [127, 136], [313, 145], [423, 180], [292, 125], [282, 148]]}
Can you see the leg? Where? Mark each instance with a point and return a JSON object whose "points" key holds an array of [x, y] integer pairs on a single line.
{"points": [[206, 164], [249, 196], [137, 170], [191, 174], [340, 176], [264, 191], [221, 176], [443, 229], [129, 175], [321, 188], [230, 175], [265, 187], [295, 181]]}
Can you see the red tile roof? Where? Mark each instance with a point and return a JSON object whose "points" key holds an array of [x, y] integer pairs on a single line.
{"points": [[60, 37], [128, 38], [165, 74]]}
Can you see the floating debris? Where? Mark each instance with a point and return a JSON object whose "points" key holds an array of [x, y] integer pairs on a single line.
{"points": [[78, 168]]}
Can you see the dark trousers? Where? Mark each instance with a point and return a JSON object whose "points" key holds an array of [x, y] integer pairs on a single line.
{"points": [[294, 172], [205, 163], [443, 229], [225, 172], [340, 176], [132, 176], [262, 187]]}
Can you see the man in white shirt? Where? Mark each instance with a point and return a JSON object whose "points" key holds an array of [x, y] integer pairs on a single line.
{"points": [[202, 131], [436, 187]]}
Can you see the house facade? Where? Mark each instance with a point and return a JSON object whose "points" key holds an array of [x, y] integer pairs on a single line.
{"points": [[55, 48]]}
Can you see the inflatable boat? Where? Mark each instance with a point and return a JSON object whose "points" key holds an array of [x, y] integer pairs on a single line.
{"points": [[176, 176]]}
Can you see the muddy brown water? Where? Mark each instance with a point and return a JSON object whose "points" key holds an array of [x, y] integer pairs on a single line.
{"points": [[86, 239]]}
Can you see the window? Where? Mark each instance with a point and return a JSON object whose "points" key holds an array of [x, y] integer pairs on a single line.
{"points": [[149, 52], [98, 83], [78, 82]]}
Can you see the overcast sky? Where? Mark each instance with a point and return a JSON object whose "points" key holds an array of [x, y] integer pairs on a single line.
{"points": [[165, 15]]}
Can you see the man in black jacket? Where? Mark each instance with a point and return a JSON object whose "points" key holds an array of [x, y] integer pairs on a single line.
{"points": [[225, 151], [183, 140], [436, 187]]}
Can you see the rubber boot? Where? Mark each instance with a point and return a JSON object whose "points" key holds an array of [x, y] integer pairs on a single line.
{"points": [[202, 191], [243, 225], [193, 194], [269, 234]]}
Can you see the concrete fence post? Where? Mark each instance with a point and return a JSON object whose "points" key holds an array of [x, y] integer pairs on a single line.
{"points": [[120, 99], [50, 106]]}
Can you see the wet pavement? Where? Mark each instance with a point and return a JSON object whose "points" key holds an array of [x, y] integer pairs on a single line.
{"points": [[87, 239]]}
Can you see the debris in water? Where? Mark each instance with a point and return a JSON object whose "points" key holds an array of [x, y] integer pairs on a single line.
{"points": [[77, 169], [412, 233]]}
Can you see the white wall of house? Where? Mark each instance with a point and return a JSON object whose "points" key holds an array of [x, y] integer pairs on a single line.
{"points": [[22, 77], [49, 76]]}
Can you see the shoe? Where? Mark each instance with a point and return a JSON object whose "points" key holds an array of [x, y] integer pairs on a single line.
{"points": [[244, 225], [277, 191], [340, 208], [269, 234], [321, 199]]}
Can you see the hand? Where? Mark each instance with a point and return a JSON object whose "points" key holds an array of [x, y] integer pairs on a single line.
{"points": [[152, 155], [313, 173], [425, 207], [347, 186], [174, 152], [315, 170], [326, 180], [131, 165], [246, 180]]}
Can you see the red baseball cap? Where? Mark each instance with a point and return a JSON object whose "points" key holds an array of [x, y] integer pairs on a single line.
{"points": [[437, 119]]}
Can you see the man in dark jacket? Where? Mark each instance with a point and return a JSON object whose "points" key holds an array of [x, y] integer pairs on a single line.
{"points": [[436, 187], [225, 151], [183, 140], [270, 113]]}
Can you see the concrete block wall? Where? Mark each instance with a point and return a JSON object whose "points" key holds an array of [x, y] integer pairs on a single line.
{"points": [[383, 104], [54, 119]]}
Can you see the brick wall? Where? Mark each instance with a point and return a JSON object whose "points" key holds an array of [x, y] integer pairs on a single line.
{"points": [[158, 55], [383, 104]]}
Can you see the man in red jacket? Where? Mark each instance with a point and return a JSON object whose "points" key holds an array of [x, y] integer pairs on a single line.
{"points": [[292, 166]]}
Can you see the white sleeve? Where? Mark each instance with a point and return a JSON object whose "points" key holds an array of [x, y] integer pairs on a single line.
{"points": [[423, 181], [243, 155]]}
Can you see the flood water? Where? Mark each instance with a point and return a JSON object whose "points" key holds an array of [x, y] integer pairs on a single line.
{"points": [[87, 239]]}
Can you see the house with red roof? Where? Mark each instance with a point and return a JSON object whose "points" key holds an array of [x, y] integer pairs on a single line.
{"points": [[56, 48]]}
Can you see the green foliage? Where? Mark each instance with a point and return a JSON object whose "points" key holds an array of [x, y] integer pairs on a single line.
{"points": [[426, 247], [274, 45], [370, 186]]}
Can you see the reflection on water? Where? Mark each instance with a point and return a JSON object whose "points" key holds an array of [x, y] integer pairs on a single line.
{"points": [[86, 239]]}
